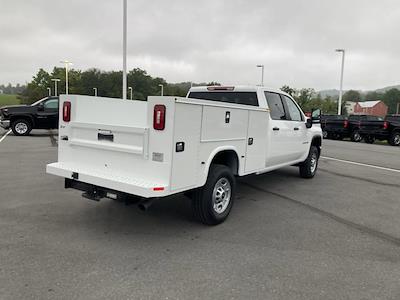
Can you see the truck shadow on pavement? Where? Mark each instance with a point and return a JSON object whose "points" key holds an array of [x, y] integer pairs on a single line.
{"points": [[174, 213]]}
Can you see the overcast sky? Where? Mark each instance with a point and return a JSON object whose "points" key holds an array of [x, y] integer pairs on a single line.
{"points": [[208, 40]]}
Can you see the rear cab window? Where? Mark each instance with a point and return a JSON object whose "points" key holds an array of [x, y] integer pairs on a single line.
{"points": [[275, 104], [244, 98]]}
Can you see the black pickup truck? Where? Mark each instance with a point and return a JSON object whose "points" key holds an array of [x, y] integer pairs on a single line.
{"points": [[334, 127], [42, 114], [365, 127], [390, 131]]}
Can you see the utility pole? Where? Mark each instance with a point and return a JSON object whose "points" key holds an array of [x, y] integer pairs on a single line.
{"points": [[262, 74], [49, 90], [124, 46], [95, 92], [131, 92], [341, 82], [55, 85], [398, 108], [162, 89], [66, 63]]}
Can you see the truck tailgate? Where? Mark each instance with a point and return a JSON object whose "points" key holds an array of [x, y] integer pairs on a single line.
{"points": [[106, 143]]}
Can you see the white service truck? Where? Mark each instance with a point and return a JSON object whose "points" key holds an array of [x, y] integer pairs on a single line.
{"points": [[120, 149]]}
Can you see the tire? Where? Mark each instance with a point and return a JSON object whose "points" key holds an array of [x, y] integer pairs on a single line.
{"points": [[394, 139], [21, 127], [220, 185], [309, 167], [356, 136], [369, 139]]}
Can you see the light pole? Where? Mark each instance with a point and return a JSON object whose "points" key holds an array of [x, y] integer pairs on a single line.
{"points": [[124, 44], [262, 74], [55, 85], [49, 90], [341, 82], [95, 92], [66, 63], [162, 89], [131, 92]]}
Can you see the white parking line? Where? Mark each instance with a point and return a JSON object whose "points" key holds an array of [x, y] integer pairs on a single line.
{"points": [[361, 164], [4, 136]]}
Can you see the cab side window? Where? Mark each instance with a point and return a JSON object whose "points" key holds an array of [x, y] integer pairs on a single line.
{"points": [[277, 110], [293, 110], [51, 104]]}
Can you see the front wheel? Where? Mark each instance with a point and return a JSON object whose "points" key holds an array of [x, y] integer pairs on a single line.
{"points": [[308, 168], [21, 127], [213, 202]]}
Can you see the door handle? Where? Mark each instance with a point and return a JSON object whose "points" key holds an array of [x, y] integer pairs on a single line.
{"points": [[275, 128], [296, 128]]}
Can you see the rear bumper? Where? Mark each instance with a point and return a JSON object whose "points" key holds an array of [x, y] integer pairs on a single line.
{"points": [[5, 124], [116, 182]]}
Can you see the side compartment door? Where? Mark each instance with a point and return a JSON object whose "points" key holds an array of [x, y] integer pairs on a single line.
{"points": [[280, 131], [256, 144]]}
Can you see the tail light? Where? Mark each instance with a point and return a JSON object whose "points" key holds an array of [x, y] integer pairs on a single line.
{"points": [[385, 125], [345, 124], [67, 111], [159, 117]]}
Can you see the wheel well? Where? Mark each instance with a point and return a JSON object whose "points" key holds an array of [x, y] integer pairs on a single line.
{"points": [[227, 158], [317, 141], [27, 118]]}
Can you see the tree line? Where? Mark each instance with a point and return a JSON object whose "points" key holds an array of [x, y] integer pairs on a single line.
{"points": [[109, 83]]}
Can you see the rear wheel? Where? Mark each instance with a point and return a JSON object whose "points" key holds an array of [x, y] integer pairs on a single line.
{"points": [[213, 202], [308, 168], [21, 127], [369, 139], [356, 136], [394, 139]]}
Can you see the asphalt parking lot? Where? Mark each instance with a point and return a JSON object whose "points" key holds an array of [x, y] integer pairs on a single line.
{"points": [[336, 236]]}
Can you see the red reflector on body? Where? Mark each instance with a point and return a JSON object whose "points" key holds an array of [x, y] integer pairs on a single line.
{"points": [[158, 189], [67, 111], [159, 117]]}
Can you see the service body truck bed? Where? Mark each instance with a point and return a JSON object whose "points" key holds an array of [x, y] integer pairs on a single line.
{"points": [[166, 145]]}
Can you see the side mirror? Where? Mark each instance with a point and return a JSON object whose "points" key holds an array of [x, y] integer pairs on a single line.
{"points": [[316, 115], [41, 106], [309, 123]]}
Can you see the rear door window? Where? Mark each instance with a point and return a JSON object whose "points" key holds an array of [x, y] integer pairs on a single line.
{"points": [[246, 98], [277, 111]]}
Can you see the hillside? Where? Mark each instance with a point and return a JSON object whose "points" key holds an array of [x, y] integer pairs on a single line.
{"points": [[335, 92]]}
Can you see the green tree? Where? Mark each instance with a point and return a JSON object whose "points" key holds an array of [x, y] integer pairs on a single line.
{"points": [[288, 90], [391, 98], [351, 95]]}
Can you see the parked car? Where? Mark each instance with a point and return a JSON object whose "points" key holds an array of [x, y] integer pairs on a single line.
{"points": [[365, 127], [334, 127], [42, 114], [390, 131], [170, 145]]}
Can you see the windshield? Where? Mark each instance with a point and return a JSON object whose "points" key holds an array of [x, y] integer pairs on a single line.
{"points": [[37, 102]]}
